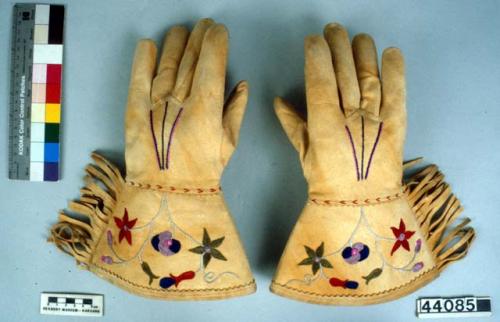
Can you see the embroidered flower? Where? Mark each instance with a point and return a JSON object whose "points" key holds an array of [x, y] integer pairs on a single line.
{"points": [[125, 225], [167, 282], [109, 237], [357, 253], [417, 267], [402, 235], [315, 258], [209, 248], [165, 244], [337, 282], [107, 259], [418, 245]]}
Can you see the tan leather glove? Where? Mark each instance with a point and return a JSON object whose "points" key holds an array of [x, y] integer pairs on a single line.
{"points": [[164, 231], [363, 237]]}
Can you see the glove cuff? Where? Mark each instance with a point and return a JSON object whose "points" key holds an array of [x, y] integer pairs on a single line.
{"points": [[161, 242], [358, 252]]}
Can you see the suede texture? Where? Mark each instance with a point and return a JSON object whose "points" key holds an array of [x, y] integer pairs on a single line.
{"points": [[164, 231], [363, 236]]}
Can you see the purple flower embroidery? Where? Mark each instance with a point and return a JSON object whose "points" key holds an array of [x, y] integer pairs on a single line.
{"points": [[418, 245], [107, 259], [357, 253], [417, 267], [165, 244], [109, 236]]}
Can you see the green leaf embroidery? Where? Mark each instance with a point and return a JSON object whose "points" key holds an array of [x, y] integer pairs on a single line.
{"points": [[315, 268], [310, 252], [208, 249], [206, 259], [197, 250], [307, 261], [320, 250], [147, 269], [217, 242], [206, 238], [325, 263], [217, 254], [315, 258]]}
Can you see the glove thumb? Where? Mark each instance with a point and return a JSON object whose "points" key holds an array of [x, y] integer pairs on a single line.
{"points": [[234, 109], [294, 125]]}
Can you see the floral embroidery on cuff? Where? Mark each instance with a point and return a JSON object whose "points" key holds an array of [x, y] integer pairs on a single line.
{"points": [[209, 248], [357, 253], [125, 225], [315, 258], [165, 244], [402, 236]]}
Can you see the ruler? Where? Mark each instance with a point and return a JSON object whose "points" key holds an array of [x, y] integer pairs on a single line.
{"points": [[71, 304], [35, 92], [453, 307]]}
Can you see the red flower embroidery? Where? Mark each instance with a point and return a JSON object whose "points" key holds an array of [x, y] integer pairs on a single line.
{"points": [[125, 225], [402, 235]]}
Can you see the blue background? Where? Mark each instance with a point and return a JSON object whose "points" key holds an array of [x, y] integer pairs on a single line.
{"points": [[453, 74]]}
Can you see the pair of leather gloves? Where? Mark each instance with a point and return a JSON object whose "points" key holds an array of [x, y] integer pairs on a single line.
{"points": [[163, 230]]}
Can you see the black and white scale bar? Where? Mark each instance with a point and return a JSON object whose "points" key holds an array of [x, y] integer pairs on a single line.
{"points": [[453, 307], [72, 304]]}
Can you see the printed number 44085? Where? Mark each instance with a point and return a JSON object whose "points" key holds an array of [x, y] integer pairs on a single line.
{"points": [[449, 305]]}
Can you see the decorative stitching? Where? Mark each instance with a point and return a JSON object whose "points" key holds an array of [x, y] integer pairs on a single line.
{"points": [[353, 152], [356, 202], [402, 236], [198, 191], [163, 136], [162, 163], [356, 295], [151, 125], [240, 286], [209, 249], [362, 145], [373, 149], [167, 245], [354, 252], [172, 134], [125, 226]]}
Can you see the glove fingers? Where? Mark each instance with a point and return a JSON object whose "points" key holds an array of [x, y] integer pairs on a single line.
{"points": [[234, 110], [173, 48], [323, 109], [393, 110], [189, 60], [294, 125], [138, 108], [210, 74], [142, 73], [365, 58], [343, 63], [143, 67]]}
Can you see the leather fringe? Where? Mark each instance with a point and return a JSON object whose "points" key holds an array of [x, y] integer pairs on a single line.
{"points": [[436, 209], [79, 229]]}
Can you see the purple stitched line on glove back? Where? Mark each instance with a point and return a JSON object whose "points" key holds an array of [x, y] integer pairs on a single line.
{"points": [[172, 134], [373, 149], [353, 151], [151, 124]]}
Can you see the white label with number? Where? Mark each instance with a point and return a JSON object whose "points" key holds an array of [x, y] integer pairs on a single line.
{"points": [[465, 306]]}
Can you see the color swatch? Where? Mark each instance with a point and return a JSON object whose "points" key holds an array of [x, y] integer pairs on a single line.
{"points": [[46, 93]]}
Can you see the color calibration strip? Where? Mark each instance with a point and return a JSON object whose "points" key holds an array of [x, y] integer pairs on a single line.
{"points": [[46, 93], [39, 114]]}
